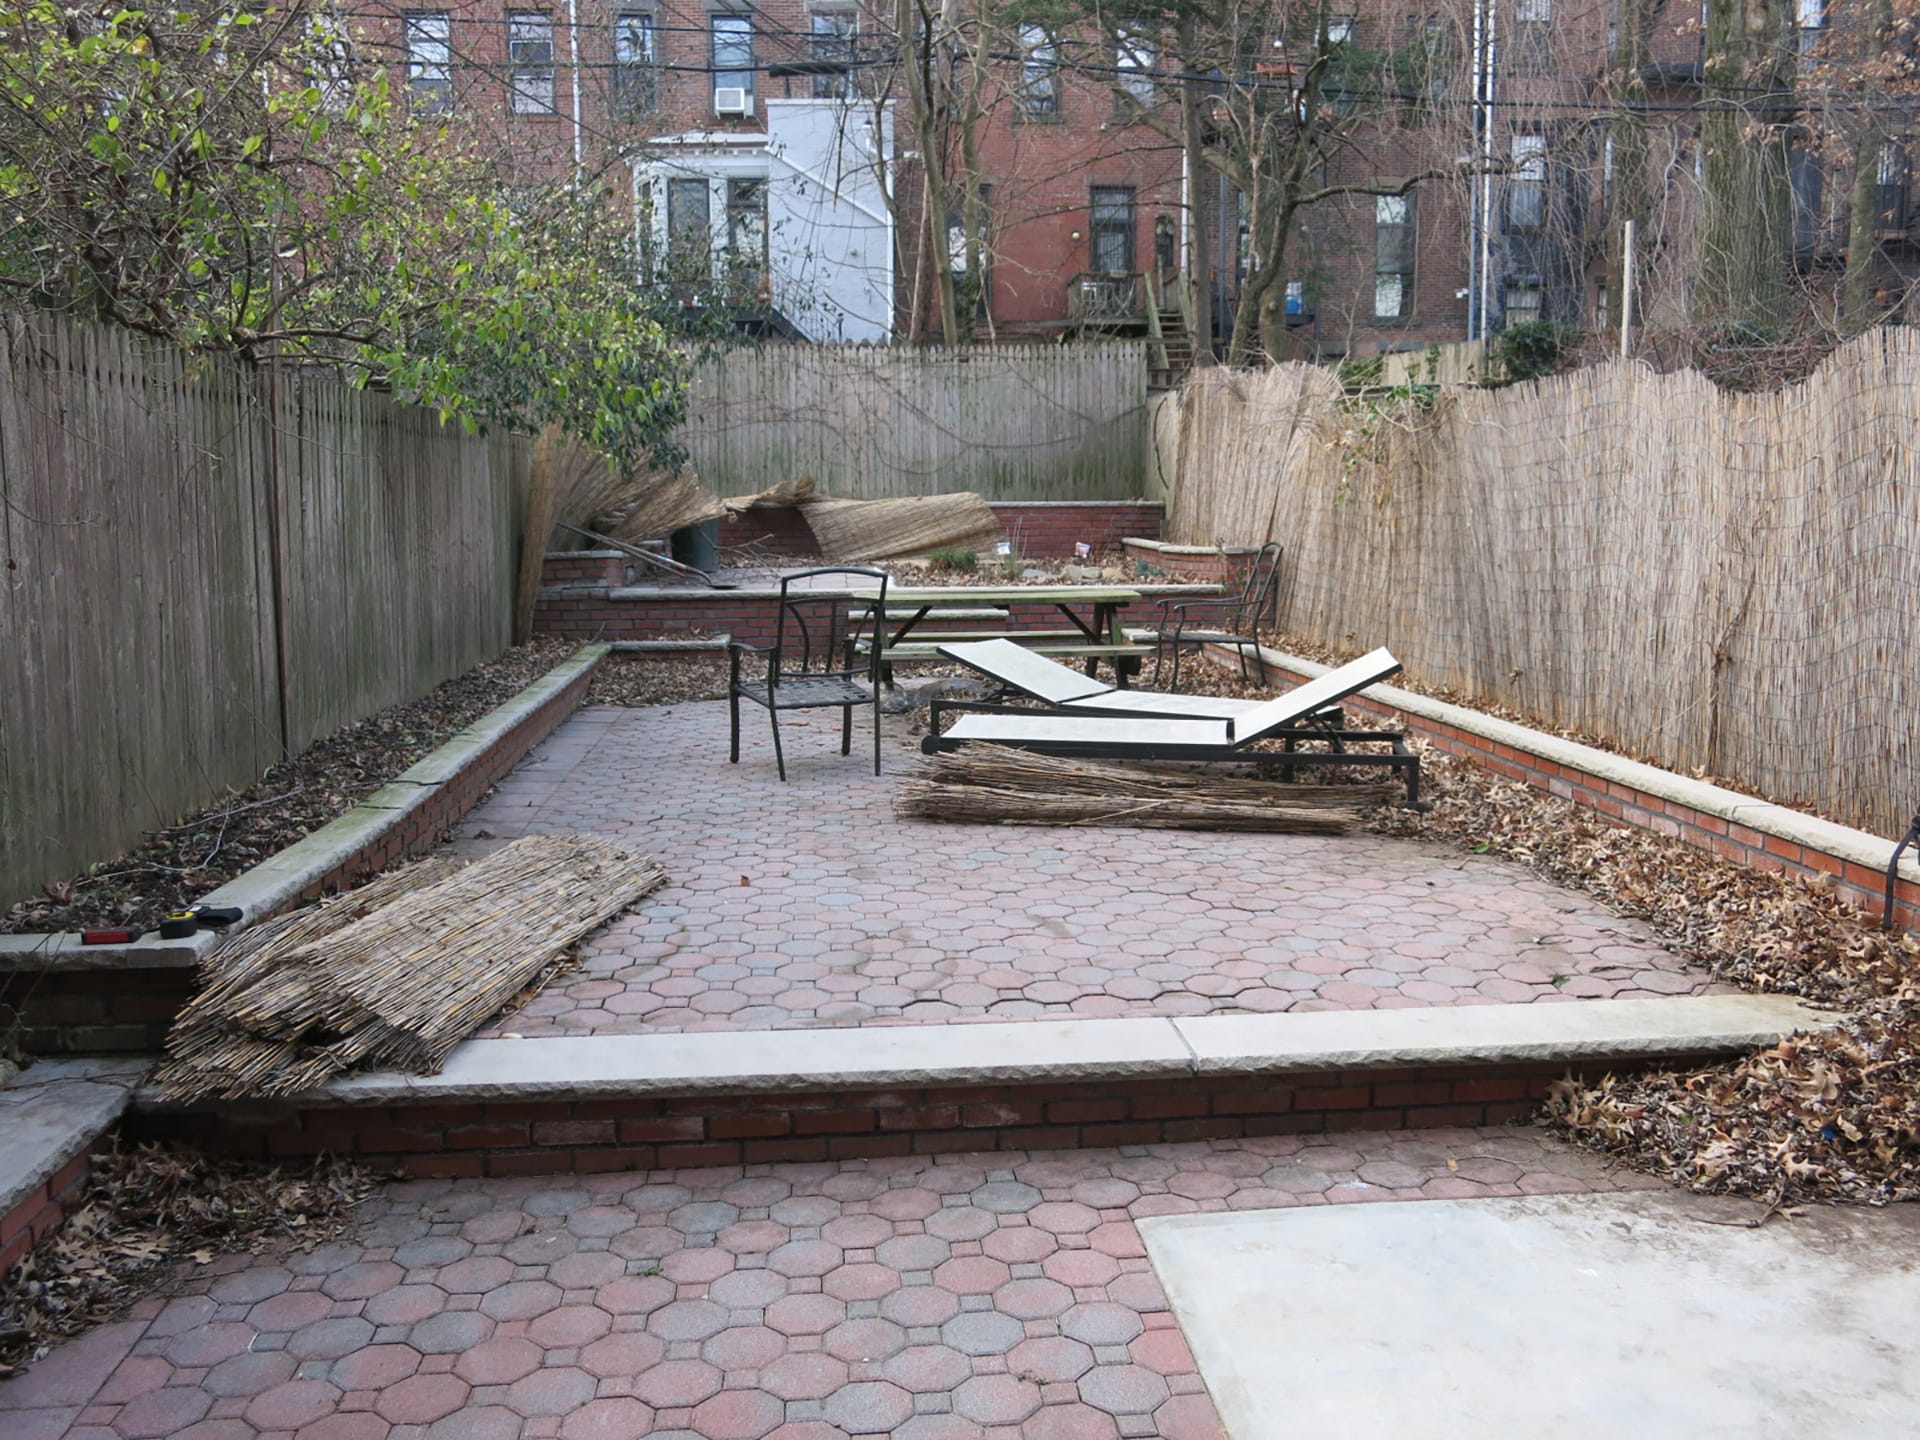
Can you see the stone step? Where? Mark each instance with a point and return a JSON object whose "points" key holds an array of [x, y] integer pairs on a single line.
{"points": [[507, 1106]]}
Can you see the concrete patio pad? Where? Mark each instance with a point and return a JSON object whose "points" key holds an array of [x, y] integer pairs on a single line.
{"points": [[1658, 1316]]}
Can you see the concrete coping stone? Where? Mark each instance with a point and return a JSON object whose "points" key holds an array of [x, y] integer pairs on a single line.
{"points": [[1075, 504], [1167, 548], [772, 592], [1033, 1052], [585, 555], [55, 1110], [278, 881], [1843, 842], [717, 643]]}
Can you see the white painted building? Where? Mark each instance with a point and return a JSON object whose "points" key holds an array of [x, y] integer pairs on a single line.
{"points": [[806, 196]]}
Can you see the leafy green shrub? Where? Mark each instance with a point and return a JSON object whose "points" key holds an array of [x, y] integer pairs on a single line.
{"points": [[955, 558], [1532, 349]]}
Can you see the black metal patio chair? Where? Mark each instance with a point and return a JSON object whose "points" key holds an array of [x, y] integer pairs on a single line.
{"points": [[1222, 621], [821, 655]]}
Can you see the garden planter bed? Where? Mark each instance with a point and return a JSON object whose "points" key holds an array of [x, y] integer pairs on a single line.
{"points": [[81, 999]]}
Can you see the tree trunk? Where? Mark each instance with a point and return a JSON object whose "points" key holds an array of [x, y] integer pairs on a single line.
{"points": [[1859, 306], [1631, 198], [1746, 223]]}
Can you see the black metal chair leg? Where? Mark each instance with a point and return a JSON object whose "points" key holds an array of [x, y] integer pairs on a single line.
{"points": [[734, 698], [779, 759], [876, 732], [846, 729]]}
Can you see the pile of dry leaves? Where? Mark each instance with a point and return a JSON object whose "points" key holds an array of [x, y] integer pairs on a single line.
{"points": [[1829, 1116], [149, 1208], [177, 865], [657, 679]]}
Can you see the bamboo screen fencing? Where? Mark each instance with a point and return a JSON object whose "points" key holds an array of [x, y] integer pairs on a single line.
{"points": [[140, 659], [1025, 422], [1724, 583]]}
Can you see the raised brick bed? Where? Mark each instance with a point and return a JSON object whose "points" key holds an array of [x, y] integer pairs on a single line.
{"points": [[32, 1219], [1722, 822], [75, 1000], [1038, 529], [584, 1135]]}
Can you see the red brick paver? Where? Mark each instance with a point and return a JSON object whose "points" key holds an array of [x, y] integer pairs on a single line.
{"points": [[1017, 1301], [812, 904]]}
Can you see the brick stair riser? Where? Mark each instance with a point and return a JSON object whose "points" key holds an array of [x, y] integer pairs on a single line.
{"points": [[557, 1136], [37, 1215]]}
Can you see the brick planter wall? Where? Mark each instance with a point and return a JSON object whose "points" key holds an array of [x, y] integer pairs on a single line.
{"points": [[1624, 804], [585, 1135], [81, 1011], [40, 1213]]}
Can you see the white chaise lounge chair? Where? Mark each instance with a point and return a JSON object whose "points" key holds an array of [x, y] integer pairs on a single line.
{"points": [[1097, 725]]}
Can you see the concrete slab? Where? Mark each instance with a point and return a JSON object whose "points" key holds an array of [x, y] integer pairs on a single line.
{"points": [[54, 1111], [1458, 1035], [1652, 1315]]}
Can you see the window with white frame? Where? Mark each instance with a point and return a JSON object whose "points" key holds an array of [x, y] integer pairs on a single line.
{"points": [[1527, 185], [733, 62], [1039, 97], [830, 43], [689, 229], [530, 54], [428, 35], [1393, 252], [1811, 19], [330, 62], [1523, 300], [1340, 31], [635, 58], [1133, 62], [1530, 44]]}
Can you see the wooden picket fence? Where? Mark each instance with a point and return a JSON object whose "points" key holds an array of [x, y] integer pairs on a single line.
{"points": [[1011, 422], [161, 637], [1723, 583]]}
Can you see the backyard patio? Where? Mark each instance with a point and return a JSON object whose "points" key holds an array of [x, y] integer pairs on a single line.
{"points": [[811, 904]]}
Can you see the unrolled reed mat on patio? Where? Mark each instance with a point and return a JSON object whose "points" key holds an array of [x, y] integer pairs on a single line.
{"points": [[395, 973], [1015, 787]]}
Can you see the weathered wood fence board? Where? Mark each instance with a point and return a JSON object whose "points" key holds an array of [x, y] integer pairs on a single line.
{"points": [[1719, 582], [1028, 422], [140, 668]]}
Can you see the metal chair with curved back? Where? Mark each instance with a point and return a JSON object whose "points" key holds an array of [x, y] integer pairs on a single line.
{"points": [[811, 663], [1222, 621]]}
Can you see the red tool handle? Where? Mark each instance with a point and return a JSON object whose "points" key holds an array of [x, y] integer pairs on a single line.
{"points": [[120, 935]]}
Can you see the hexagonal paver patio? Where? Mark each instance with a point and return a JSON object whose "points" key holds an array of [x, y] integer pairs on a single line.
{"points": [[1000, 1295], [812, 904]]}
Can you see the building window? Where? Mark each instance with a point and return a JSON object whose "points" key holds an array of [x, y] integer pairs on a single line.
{"points": [[530, 53], [733, 63], [1339, 31], [1527, 185], [1522, 300], [1393, 250], [1110, 236], [1529, 47], [689, 229], [1133, 62], [830, 42], [747, 240], [330, 66], [634, 58], [1039, 97], [1811, 18], [1296, 299], [1890, 189], [429, 40]]}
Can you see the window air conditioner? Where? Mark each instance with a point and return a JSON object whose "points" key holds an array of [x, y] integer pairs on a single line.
{"points": [[732, 100]]}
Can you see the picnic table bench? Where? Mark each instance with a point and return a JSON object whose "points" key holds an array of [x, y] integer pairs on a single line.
{"points": [[1094, 632]]}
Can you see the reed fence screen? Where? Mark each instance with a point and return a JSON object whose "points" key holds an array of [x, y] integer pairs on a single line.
{"points": [[1722, 583], [1015, 422], [163, 637]]}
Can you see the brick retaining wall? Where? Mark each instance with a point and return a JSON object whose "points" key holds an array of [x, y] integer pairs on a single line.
{"points": [[40, 1213], [585, 1135], [1625, 805], [81, 1011]]}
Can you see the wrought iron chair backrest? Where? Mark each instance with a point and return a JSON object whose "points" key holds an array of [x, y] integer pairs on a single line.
{"points": [[1263, 584], [820, 630]]}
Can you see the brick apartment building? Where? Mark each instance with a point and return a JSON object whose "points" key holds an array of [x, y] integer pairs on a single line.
{"points": [[775, 139]]}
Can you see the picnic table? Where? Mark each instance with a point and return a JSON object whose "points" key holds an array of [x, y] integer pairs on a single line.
{"points": [[1093, 631]]}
